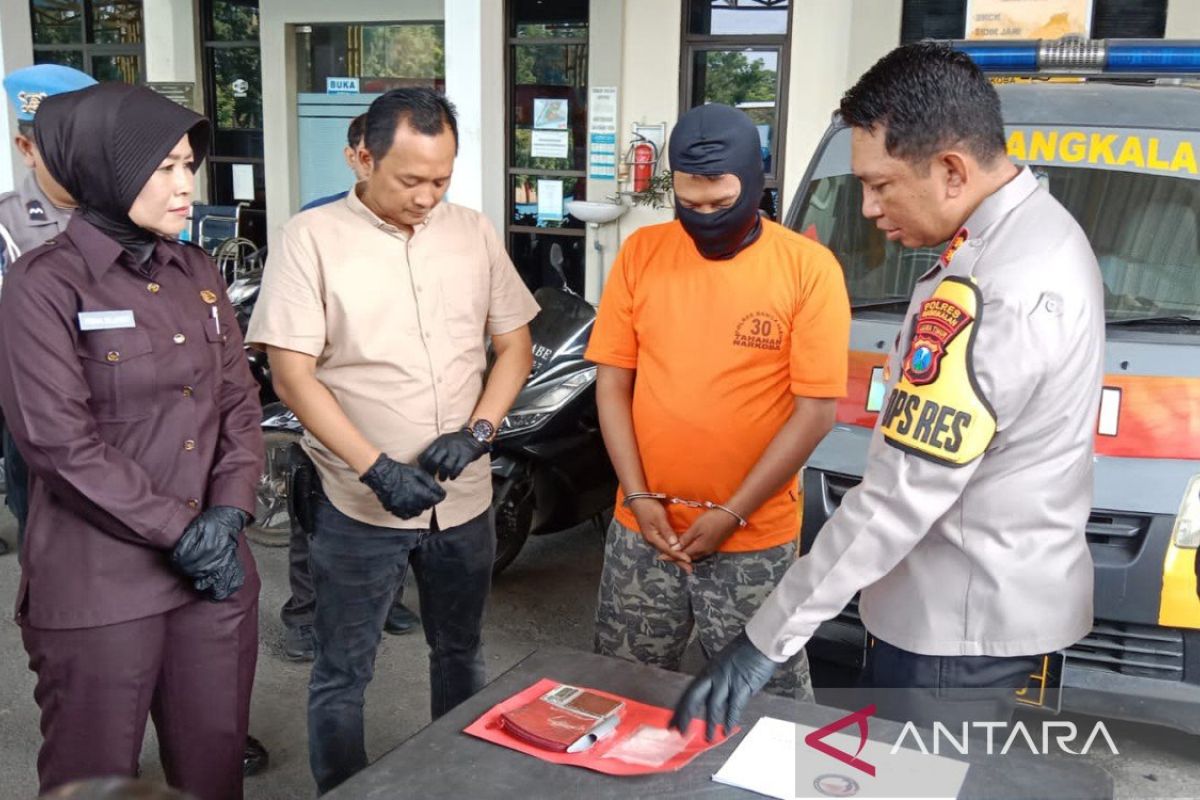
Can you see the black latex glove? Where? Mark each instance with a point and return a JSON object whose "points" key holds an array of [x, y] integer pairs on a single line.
{"points": [[450, 453], [720, 692], [207, 540], [225, 579], [403, 489]]}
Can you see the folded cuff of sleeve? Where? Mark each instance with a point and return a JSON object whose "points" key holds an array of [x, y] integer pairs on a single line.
{"points": [[765, 631]]}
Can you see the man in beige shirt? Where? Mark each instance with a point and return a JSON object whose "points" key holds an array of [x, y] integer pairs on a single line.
{"points": [[373, 312]]}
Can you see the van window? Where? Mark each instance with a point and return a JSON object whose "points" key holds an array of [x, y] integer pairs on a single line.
{"points": [[1142, 227]]}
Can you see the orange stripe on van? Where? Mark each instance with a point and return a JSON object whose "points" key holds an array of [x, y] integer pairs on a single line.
{"points": [[1159, 416]]}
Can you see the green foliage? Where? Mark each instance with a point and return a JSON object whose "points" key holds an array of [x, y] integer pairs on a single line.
{"points": [[732, 78], [551, 65], [658, 193], [403, 51]]}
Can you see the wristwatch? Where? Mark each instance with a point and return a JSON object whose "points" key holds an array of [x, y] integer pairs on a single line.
{"points": [[482, 431]]}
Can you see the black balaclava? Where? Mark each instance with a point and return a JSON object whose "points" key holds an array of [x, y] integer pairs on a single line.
{"points": [[713, 140], [104, 142]]}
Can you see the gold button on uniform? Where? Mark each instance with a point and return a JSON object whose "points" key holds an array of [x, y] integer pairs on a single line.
{"points": [[188, 391], [190, 444], [113, 356], [179, 338], [152, 287], [193, 504]]}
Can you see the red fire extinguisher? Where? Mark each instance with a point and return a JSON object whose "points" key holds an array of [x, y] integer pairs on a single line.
{"points": [[644, 159]]}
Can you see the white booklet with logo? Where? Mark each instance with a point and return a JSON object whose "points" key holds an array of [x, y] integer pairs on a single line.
{"points": [[775, 761]]}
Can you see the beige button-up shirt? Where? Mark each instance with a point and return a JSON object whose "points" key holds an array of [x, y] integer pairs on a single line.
{"points": [[988, 558], [397, 325]]}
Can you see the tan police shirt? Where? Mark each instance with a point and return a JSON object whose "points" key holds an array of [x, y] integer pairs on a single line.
{"points": [[966, 535], [397, 325], [27, 218]]}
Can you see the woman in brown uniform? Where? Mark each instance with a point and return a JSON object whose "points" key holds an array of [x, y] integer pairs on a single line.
{"points": [[123, 379]]}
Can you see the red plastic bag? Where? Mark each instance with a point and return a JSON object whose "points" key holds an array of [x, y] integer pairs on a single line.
{"points": [[641, 744]]}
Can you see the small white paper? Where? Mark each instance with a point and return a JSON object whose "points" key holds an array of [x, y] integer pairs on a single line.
{"points": [[774, 760], [1110, 411], [549, 201], [550, 113], [105, 320], [243, 181], [548, 144]]}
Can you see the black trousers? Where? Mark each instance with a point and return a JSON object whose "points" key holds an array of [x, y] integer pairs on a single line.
{"points": [[953, 690], [302, 487]]}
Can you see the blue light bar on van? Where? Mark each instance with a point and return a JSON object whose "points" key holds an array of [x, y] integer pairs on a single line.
{"points": [[1085, 56]]}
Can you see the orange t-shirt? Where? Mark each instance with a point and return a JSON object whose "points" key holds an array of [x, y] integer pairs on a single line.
{"points": [[721, 349]]}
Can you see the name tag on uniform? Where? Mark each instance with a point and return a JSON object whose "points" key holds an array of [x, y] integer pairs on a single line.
{"points": [[105, 320]]}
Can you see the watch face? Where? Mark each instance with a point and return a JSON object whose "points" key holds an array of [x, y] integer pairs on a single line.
{"points": [[483, 430]]}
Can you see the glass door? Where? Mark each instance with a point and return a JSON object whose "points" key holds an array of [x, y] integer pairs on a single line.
{"points": [[547, 138]]}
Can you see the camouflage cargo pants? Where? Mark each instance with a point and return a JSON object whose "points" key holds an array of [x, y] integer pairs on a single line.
{"points": [[648, 608]]}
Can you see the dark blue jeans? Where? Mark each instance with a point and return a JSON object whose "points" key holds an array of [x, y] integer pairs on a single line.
{"points": [[356, 569]]}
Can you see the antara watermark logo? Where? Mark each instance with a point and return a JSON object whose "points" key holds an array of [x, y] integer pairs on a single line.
{"points": [[969, 739]]}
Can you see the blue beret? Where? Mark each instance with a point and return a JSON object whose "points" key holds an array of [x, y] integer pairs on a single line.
{"points": [[29, 86]]}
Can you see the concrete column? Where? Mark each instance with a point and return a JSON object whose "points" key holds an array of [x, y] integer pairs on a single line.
{"points": [[16, 51], [172, 44], [1183, 19], [649, 88], [606, 36], [475, 45], [833, 43]]}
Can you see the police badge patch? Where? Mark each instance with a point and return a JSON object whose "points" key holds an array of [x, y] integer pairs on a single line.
{"points": [[937, 410], [939, 322]]}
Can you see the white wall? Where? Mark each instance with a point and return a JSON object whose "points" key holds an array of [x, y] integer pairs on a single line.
{"points": [[833, 43], [1183, 19], [172, 44], [475, 48], [16, 51], [279, 79]]}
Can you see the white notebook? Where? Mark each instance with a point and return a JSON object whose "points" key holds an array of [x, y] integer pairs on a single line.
{"points": [[768, 762]]}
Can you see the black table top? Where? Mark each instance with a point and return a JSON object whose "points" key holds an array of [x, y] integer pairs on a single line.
{"points": [[442, 761]]}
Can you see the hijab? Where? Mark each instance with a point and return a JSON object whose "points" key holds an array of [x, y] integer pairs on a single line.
{"points": [[104, 142], [716, 139]]}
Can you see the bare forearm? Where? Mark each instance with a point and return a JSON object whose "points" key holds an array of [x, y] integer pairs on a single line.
{"points": [[321, 416], [787, 452], [614, 401], [508, 375]]}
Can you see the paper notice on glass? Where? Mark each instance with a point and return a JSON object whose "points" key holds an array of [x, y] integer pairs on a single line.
{"points": [[549, 201], [602, 133], [550, 113], [548, 144], [1028, 19], [243, 182], [775, 760]]}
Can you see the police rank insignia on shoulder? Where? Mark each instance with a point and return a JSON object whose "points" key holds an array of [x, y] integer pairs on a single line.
{"points": [[35, 211], [936, 410]]}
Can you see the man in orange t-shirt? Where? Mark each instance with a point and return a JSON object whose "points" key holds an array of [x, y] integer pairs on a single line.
{"points": [[722, 342]]}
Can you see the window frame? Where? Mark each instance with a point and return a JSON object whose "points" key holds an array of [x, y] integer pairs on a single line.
{"points": [[89, 48], [693, 43]]}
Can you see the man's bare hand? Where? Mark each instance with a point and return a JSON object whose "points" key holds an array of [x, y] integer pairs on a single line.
{"points": [[656, 530], [707, 534]]}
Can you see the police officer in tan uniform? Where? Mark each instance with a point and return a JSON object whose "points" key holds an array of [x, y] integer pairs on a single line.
{"points": [[966, 535]]}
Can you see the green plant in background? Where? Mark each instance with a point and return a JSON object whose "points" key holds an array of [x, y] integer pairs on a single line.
{"points": [[657, 194]]}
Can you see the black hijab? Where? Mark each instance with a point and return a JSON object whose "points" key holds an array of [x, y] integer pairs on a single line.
{"points": [[716, 139], [104, 142]]}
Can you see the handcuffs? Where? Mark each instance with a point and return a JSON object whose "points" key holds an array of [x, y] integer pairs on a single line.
{"points": [[670, 500]]}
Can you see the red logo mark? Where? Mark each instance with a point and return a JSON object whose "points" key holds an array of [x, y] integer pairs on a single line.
{"points": [[814, 739]]}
